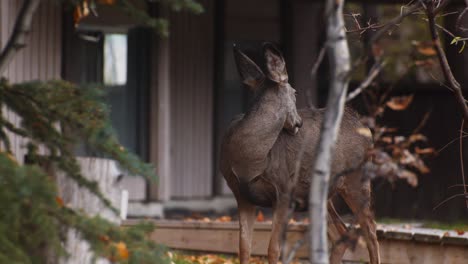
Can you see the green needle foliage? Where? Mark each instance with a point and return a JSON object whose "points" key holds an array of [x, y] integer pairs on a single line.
{"points": [[57, 115]]}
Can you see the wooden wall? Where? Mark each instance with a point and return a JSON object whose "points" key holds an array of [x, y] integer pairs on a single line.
{"points": [[40, 59], [190, 77]]}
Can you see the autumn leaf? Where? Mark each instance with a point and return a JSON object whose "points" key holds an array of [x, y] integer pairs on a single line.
{"points": [[417, 137], [104, 238], [364, 131], [122, 250], [427, 50], [387, 140], [59, 201], [106, 2], [260, 217], [424, 151], [377, 50], [428, 63], [224, 219], [399, 103], [80, 12], [409, 176], [77, 15], [460, 232]]}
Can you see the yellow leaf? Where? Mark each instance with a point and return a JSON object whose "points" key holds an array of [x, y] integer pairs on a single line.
{"points": [[364, 131], [122, 250]]}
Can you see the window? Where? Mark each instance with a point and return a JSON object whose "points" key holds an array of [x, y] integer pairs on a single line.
{"points": [[115, 59]]}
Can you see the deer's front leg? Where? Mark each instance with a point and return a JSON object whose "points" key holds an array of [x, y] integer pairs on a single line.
{"points": [[246, 222], [279, 217]]}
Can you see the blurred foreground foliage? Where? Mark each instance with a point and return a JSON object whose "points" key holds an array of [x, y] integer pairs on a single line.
{"points": [[55, 116]]}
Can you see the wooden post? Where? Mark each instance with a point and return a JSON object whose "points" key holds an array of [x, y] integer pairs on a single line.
{"points": [[160, 118]]}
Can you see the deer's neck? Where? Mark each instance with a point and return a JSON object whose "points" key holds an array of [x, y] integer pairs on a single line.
{"points": [[256, 134]]}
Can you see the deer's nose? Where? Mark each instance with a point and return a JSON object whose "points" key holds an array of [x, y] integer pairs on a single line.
{"points": [[299, 125]]}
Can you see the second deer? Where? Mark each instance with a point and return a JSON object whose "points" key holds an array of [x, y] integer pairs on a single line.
{"points": [[260, 149]]}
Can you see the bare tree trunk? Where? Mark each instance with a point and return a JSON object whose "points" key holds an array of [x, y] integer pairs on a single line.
{"points": [[339, 58], [22, 28]]}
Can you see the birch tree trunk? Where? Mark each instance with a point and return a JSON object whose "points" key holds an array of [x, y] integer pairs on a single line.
{"points": [[339, 60]]}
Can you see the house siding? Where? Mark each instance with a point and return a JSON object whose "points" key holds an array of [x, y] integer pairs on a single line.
{"points": [[39, 60], [191, 88]]}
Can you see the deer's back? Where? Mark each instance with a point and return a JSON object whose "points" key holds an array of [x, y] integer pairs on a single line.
{"points": [[350, 152]]}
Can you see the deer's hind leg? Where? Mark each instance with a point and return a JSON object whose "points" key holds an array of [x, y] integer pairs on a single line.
{"points": [[338, 234], [357, 194]]}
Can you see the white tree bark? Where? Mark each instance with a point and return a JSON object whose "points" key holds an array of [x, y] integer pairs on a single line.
{"points": [[104, 172], [21, 29], [339, 60]]}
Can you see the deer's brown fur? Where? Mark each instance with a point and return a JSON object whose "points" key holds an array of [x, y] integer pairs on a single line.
{"points": [[260, 149]]}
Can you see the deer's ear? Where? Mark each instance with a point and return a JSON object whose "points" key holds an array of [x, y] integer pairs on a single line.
{"points": [[275, 63], [251, 75]]}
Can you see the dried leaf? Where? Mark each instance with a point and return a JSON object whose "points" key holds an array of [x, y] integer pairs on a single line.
{"points": [[59, 201], [364, 131], [387, 140], [77, 15], [460, 232], [399, 103], [260, 217], [106, 2], [427, 50], [104, 238], [421, 166], [427, 63], [224, 218], [409, 176], [407, 158], [424, 151], [417, 137], [377, 50]]}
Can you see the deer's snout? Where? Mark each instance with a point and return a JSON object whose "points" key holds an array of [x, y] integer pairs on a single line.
{"points": [[299, 124]]}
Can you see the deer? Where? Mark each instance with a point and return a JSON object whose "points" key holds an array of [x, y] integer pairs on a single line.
{"points": [[259, 152]]}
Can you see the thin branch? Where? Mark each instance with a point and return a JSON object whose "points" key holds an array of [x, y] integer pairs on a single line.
{"points": [[373, 73], [313, 71], [453, 83], [293, 251], [395, 21], [449, 143], [462, 167], [450, 198], [21, 29]]}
